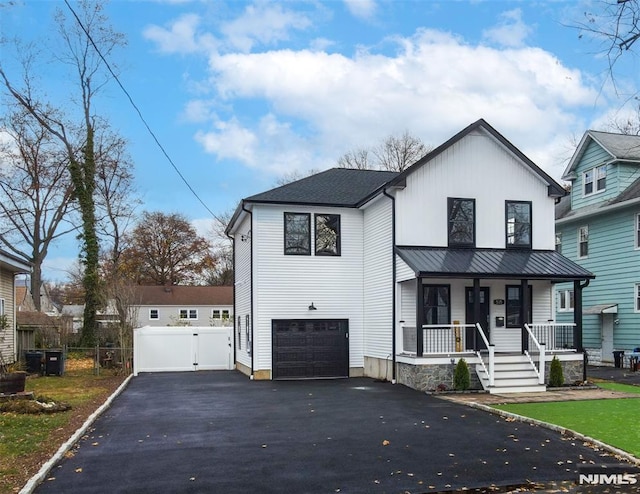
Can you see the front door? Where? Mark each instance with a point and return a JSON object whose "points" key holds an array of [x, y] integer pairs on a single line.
{"points": [[473, 339]]}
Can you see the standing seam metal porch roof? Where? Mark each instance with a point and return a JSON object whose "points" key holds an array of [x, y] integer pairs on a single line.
{"points": [[491, 263]]}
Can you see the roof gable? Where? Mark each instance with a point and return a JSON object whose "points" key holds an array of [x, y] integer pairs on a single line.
{"points": [[620, 147], [554, 188]]}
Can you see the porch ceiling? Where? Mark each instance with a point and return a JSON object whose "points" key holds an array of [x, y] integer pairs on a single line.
{"points": [[491, 263]]}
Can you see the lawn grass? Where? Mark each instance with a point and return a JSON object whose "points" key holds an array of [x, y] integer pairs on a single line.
{"points": [[27, 441], [624, 388], [612, 421]]}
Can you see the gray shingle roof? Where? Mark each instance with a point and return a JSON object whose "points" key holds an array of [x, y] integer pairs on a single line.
{"points": [[621, 146], [491, 263], [333, 187]]}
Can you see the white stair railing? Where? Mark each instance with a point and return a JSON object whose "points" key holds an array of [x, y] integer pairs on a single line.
{"points": [[541, 356], [492, 356]]}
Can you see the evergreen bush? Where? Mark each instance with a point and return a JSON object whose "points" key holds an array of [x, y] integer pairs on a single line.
{"points": [[461, 380], [556, 377]]}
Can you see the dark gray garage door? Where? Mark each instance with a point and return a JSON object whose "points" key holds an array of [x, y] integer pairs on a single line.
{"points": [[306, 349]]}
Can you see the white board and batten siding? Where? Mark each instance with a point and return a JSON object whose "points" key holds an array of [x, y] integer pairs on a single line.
{"points": [[289, 284], [7, 336], [378, 278], [476, 167], [180, 348], [244, 238]]}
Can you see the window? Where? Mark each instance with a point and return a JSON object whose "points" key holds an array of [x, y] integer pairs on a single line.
{"points": [[297, 234], [153, 314], [327, 234], [637, 297], [225, 315], [637, 233], [518, 224], [595, 180], [583, 241], [559, 243], [461, 222], [188, 313], [513, 306], [2, 313], [436, 302], [565, 301], [239, 333], [215, 313]]}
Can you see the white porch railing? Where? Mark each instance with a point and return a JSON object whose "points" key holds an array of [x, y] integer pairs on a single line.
{"points": [[541, 351], [555, 336]]}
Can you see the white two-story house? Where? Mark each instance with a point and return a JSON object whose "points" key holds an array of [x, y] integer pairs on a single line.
{"points": [[399, 275]]}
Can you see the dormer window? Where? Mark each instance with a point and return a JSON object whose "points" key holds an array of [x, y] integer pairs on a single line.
{"points": [[595, 180]]}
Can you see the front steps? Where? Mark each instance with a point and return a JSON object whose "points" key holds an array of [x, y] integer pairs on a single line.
{"points": [[513, 374]]}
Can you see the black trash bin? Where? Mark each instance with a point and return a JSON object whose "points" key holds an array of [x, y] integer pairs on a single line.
{"points": [[34, 361], [53, 363], [617, 358]]}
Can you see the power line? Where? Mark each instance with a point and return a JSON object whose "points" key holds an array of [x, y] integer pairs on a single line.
{"points": [[175, 167]]}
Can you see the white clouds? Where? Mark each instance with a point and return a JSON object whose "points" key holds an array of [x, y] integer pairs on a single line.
{"points": [[264, 23], [181, 37], [229, 140], [510, 32], [363, 9]]}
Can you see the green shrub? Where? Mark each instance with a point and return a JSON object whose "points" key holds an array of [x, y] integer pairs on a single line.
{"points": [[556, 377], [461, 380]]}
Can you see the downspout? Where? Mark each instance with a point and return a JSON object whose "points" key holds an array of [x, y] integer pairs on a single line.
{"points": [[393, 288], [248, 211]]}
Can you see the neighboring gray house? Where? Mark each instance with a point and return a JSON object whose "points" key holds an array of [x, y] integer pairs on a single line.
{"points": [[178, 305], [598, 227], [398, 275], [10, 266]]}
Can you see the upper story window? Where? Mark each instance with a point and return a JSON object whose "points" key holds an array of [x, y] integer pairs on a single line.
{"points": [[636, 303], [297, 234], [583, 241], [518, 224], [188, 313], [2, 313], [461, 222], [637, 232], [154, 314], [327, 234], [565, 300], [595, 180], [559, 243]]}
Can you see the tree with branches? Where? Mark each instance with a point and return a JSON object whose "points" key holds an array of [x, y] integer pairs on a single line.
{"points": [[395, 153]]}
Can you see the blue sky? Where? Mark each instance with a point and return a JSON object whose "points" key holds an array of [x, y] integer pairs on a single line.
{"points": [[241, 93]]}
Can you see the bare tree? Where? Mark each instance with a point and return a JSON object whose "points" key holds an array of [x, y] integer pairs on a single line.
{"points": [[294, 176], [220, 272], [35, 192], [80, 37], [395, 153]]}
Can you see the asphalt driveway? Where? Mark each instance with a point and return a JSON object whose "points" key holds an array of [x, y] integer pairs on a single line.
{"points": [[218, 432]]}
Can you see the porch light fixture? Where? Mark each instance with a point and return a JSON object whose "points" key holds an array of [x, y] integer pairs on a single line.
{"points": [[312, 307]]}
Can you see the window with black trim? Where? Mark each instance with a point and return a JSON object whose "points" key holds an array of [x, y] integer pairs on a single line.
{"points": [[518, 224], [461, 215], [327, 234], [513, 306], [437, 304], [297, 234]]}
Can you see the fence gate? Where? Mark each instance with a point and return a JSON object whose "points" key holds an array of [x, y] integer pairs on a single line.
{"points": [[182, 348]]}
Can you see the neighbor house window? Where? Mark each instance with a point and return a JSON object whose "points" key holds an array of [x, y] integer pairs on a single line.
{"points": [[637, 298], [225, 315], [583, 241], [436, 303], [2, 307], [595, 180], [327, 234], [154, 314], [215, 313], [188, 313], [637, 232], [297, 234], [513, 306], [565, 301], [461, 215], [518, 224], [559, 243]]}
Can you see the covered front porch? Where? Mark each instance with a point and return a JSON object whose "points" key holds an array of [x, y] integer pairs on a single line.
{"points": [[494, 308]]}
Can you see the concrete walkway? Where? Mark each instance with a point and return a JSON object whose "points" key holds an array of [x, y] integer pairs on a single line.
{"points": [[218, 432]]}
